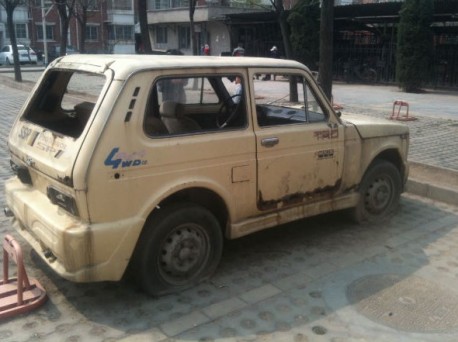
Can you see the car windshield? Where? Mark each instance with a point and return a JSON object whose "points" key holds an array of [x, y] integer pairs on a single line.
{"points": [[21, 48], [65, 102]]}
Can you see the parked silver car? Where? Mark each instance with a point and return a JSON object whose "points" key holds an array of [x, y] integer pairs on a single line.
{"points": [[26, 55]]}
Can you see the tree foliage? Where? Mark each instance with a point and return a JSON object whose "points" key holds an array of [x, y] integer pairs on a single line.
{"points": [[304, 21], [414, 48]]}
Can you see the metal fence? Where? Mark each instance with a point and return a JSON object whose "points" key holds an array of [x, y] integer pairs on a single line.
{"points": [[365, 59]]}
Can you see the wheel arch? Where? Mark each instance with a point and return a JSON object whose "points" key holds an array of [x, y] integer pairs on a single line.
{"points": [[199, 196], [393, 156], [203, 197]]}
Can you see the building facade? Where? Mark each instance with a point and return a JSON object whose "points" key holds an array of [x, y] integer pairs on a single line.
{"points": [[110, 27], [169, 28], [21, 21]]}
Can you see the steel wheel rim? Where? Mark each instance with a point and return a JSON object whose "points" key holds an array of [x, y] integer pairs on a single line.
{"points": [[183, 253], [378, 195]]}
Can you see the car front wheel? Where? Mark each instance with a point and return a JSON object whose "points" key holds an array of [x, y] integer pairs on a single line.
{"points": [[180, 246], [380, 190]]}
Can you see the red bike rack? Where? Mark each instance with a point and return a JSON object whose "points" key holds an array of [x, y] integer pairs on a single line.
{"points": [[397, 116], [18, 295]]}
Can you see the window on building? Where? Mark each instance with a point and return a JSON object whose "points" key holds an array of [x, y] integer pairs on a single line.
{"points": [[161, 35], [47, 3], [184, 37], [21, 31], [122, 32], [180, 3], [92, 32], [93, 5], [125, 5], [49, 32], [165, 4], [161, 4]]}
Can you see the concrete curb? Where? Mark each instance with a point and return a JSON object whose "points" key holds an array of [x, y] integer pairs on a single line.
{"points": [[10, 82], [433, 182], [432, 192]]}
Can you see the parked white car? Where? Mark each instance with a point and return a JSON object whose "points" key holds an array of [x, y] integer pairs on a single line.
{"points": [[26, 55]]}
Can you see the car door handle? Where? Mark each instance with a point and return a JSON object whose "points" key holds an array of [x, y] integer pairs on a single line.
{"points": [[269, 142]]}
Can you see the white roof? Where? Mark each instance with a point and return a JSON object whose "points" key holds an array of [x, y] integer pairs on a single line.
{"points": [[124, 65]]}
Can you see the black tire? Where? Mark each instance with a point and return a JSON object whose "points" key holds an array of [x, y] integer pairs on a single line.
{"points": [[180, 246], [380, 191]]}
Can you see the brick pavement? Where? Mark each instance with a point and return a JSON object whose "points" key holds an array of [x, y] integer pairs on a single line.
{"points": [[433, 141]]}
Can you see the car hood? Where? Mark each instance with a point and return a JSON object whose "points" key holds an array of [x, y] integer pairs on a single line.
{"points": [[370, 127]]}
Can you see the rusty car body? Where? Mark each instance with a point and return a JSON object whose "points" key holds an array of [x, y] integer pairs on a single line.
{"points": [[147, 163]]}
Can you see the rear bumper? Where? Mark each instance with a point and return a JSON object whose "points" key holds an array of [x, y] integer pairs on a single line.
{"points": [[74, 249]]}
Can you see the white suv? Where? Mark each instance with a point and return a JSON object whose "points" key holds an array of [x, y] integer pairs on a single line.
{"points": [[149, 162]]}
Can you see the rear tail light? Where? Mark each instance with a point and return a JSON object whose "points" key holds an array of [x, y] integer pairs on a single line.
{"points": [[22, 172], [62, 200]]}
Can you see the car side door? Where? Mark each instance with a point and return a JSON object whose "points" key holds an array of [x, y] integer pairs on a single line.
{"points": [[299, 141]]}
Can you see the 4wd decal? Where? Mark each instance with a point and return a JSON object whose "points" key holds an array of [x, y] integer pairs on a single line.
{"points": [[117, 159]]}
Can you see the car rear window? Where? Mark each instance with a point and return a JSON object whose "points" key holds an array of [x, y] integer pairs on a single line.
{"points": [[65, 100]]}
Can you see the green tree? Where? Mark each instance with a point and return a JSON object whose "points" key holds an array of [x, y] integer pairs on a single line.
{"points": [[414, 48], [304, 21]]}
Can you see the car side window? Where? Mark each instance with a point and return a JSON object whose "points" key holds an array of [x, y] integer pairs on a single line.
{"points": [[285, 99], [199, 104]]}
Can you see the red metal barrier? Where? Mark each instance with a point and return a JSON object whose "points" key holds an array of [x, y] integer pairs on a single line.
{"points": [[397, 115], [18, 295]]}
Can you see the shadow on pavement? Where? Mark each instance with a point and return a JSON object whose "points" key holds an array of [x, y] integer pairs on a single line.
{"points": [[318, 276]]}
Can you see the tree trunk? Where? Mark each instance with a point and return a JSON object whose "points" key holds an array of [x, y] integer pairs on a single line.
{"points": [[281, 18], [64, 19], [9, 7], [82, 22], [326, 46], [144, 31], [192, 8]]}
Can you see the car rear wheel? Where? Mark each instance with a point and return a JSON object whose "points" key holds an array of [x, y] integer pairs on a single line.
{"points": [[180, 246], [380, 191]]}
